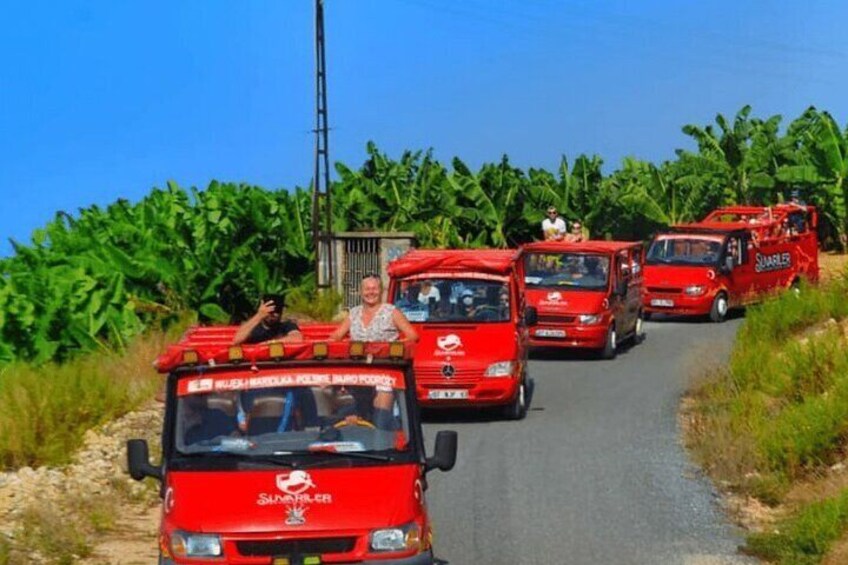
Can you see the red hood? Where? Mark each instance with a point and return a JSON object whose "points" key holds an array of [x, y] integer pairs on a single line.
{"points": [[676, 276], [259, 501], [475, 346], [558, 301]]}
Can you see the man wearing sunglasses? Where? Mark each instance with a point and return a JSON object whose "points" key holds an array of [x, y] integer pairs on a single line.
{"points": [[553, 227]]}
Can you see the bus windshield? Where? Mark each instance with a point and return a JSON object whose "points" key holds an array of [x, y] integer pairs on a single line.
{"points": [[280, 420], [579, 271], [453, 300], [676, 249]]}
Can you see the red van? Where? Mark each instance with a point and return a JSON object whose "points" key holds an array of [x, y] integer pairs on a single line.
{"points": [[301, 453], [732, 258], [583, 295], [466, 306]]}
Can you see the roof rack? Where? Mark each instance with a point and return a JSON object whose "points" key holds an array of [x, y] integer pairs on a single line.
{"points": [[213, 346], [765, 221]]}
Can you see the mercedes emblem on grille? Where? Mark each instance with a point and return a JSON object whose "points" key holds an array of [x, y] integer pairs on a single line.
{"points": [[448, 371]]}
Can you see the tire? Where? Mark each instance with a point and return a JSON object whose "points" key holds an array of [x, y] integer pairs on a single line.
{"points": [[610, 348], [718, 311], [639, 331], [517, 409]]}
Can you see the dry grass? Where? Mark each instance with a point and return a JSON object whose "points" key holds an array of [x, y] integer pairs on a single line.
{"points": [[48, 408]]}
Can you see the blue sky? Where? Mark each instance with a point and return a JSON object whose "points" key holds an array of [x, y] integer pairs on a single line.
{"points": [[104, 100]]}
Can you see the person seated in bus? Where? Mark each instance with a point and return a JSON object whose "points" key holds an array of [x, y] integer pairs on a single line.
{"points": [[596, 271], [347, 406], [204, 419], [429, 293]]}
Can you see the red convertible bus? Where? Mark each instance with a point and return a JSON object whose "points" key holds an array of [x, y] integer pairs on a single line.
{"points": [[732, 258], [292, 453]]}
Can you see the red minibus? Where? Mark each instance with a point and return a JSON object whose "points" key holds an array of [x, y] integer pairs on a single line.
{"points": [[582, 294], [466, 306]]}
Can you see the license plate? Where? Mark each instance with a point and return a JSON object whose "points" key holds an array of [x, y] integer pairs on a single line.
{"points": [[664, 302], [550, 333], [447, 394]]}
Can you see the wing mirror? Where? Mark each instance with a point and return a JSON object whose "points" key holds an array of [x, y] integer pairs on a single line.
{"points": [[727, 266], [444, 457], [138, 461], [531, 316]]}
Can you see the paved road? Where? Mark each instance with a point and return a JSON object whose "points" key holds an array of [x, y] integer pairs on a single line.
{"points": [[596, 474]]}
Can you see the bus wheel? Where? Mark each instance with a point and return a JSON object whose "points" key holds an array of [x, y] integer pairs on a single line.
{"points": [[639, 331], [609, 350], [718, 312], [517, 409]]}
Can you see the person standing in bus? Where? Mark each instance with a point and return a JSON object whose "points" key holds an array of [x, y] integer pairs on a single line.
{"points": [[553, 227]]}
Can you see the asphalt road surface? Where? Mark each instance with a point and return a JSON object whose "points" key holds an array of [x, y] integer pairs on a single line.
{"points": [[596, 473]]}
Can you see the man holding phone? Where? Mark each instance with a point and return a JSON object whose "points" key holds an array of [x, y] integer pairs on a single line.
{"points": [[268, 324]]}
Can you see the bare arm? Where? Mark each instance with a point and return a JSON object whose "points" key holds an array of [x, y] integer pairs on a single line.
{"points": [[403, 325], [293, 336], [341, 331], [244, 330]]}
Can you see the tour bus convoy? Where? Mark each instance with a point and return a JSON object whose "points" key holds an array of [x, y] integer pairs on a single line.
{"points": [[583, 294], [730, 259], [301, 453], [467, 309]]}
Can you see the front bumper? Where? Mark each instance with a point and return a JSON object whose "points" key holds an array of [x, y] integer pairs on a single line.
{"points": [[480, 392], [681, 304], [576, 337], [425, 558]]}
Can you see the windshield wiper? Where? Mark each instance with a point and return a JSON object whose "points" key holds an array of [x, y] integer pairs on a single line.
{"points": [[243, 457], [351, 454]]}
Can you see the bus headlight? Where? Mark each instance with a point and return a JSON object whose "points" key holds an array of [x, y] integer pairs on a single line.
{"points": [[186, 544], [695, 290], [499, 369], [589, 319], [403, 538]]}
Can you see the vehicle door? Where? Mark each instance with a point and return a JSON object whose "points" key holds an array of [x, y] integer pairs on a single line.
{"points": [[522, 331], [624, 312], [635, 286], [737, 267]]}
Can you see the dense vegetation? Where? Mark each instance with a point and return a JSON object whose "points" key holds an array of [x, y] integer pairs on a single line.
{"points": [[93, 280]]}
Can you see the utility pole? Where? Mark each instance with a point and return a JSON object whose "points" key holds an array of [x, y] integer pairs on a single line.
{"points": [[322, 210]]}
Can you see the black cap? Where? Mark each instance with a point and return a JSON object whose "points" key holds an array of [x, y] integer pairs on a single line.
{"points": [[279, 301]]}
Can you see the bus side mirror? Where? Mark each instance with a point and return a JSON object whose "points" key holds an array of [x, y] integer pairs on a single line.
{"points": [[444, 457], [727, 266], [138, 461], [531, 317]]}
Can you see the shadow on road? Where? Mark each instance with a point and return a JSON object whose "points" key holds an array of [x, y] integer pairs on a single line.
{"points": [[568, 354], [735, 314]]}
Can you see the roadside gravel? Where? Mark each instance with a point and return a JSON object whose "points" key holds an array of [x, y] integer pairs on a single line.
{"points": [[80, 503]]}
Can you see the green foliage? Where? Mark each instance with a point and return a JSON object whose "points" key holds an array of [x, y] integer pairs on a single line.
{"points": [[806, 537], [319, 306], [93, 281]]}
